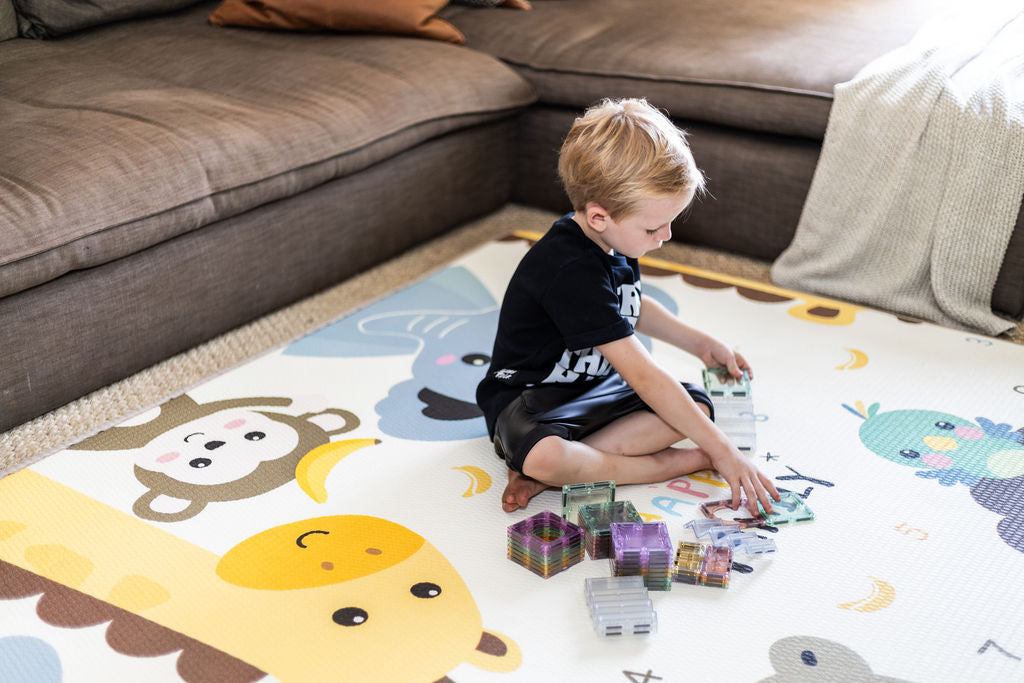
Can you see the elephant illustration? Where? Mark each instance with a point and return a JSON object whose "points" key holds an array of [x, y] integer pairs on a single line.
{"points": [[448, 322]]}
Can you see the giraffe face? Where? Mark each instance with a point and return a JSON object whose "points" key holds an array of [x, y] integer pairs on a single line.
{"points": [[384, 603]]}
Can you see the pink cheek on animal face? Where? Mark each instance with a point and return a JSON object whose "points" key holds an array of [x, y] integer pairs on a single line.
{"points": [[969, 433], [234, 424], [936, 460], [446, 359], [167, 457]]}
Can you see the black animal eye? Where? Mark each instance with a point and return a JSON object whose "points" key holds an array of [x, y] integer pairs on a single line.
{"points": [[426, 590], [213, 445], [944, 425], [907, 453], [476, 359], [808, 658], [200, 463], [255, 436], [350, 616]]}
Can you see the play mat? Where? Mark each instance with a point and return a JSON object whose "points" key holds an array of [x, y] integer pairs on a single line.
{"points": [[331, 511]]}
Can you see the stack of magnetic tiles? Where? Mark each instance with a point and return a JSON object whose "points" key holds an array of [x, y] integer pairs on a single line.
{"points": [[574, 496], [619, 605], [702, 565], [545, 544], [734, 409], [596, 519], [645, 549]]}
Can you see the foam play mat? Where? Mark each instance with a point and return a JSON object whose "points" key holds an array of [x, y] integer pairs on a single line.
{"points": [[331, 511]]}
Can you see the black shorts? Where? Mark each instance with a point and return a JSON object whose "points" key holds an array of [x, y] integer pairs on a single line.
{"points": [[568, 411]]}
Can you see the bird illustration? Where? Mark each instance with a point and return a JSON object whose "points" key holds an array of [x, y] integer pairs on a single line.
{"points": [[942, 446]]}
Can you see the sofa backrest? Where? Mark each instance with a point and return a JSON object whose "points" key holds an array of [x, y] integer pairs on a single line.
{"points": [[52, 18], [8, 21]]}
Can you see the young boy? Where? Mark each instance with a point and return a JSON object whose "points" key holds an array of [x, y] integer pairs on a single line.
{"points": [[571, 394]]}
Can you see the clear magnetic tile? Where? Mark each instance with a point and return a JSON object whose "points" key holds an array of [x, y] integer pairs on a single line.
{"points": [[791, 508], [719, 533], [608, 605], [626, 624], [596, 586], [575, 495], [597, 517], [720, 384], [701, 527], [758, 546], [733, 541]]}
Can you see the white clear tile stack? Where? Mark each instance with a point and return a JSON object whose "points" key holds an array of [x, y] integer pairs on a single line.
{"points": [[619, 605], [734, 407]]}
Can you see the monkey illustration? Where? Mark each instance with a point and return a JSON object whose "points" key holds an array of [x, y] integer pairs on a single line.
{"points": [[191, 454]]}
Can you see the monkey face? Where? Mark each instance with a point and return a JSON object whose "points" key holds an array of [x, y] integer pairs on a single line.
{"points": [[218, 448]]}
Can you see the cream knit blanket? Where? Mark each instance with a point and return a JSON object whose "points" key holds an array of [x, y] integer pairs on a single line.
{"points": [[921, 174]]}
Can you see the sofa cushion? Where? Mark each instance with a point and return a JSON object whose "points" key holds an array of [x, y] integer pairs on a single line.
{"points": [[8, 20], [412, 17], [150, 129], [51, 18], [766, 66]]}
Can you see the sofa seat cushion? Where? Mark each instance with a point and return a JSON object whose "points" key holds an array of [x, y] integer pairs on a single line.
{"points": [[121, 137], [763, 66]]}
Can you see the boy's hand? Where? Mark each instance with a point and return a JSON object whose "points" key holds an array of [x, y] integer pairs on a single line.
{"points": [[742, 475], [718, 355]]}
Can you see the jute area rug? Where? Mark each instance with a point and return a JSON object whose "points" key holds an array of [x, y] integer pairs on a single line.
{"points": [[326, 507]]}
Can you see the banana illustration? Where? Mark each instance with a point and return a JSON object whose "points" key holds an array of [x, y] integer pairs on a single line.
{"points": [[479, 481], [882, 595], [857, 360], [311, 472]]}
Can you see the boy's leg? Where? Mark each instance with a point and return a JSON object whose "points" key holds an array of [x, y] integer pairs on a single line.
{"points": [[635, 447], [556, 461]]}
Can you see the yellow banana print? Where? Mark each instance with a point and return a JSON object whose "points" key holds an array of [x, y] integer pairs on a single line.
{"points": [[479, 481], [857, 360], [882, 595], [311, 472]]}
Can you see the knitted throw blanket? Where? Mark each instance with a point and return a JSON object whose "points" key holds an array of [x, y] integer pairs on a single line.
{"points": [[921, 174]]}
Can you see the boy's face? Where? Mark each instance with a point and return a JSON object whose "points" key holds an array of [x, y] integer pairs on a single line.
{"points": [[640, 231]]}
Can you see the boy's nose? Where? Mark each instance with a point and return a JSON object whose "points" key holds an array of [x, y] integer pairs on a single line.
{"points": [[666, 233]]}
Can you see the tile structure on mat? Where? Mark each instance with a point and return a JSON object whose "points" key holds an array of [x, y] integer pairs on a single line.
{"points": [[700, 564], [575, 495], [545, 544], [831, 432], [734, 407], [596, 520], [644, 549], [620, 605]]}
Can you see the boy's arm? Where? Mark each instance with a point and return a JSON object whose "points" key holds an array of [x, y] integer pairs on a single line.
{"points": [[657, 321], [671, 403]]}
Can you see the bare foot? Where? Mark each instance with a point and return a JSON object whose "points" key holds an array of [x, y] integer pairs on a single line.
{"points": [[519, 490]]}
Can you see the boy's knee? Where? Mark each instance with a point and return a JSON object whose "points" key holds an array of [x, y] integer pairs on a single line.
{"points": [[543, 461]]}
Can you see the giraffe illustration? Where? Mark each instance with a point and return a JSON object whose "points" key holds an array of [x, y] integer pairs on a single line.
{"points": [[302, 601]]}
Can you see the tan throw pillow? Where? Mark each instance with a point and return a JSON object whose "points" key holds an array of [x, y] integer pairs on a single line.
{"points": [[410, 17]]}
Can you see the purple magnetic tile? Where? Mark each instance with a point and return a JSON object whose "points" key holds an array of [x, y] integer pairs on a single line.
{"points": [[546, 533], [640, 540]]}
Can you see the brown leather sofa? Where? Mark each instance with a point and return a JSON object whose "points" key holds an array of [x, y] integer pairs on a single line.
{"points": [[163, 180]]}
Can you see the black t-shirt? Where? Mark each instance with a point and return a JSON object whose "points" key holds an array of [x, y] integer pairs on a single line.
{"points": [[566, 297]]}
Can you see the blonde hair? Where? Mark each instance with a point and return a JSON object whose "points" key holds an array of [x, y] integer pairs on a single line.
{"points": [[623, 151]]}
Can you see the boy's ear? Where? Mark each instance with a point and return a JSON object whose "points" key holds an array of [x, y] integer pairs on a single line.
{"points": [[597, 216]]}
